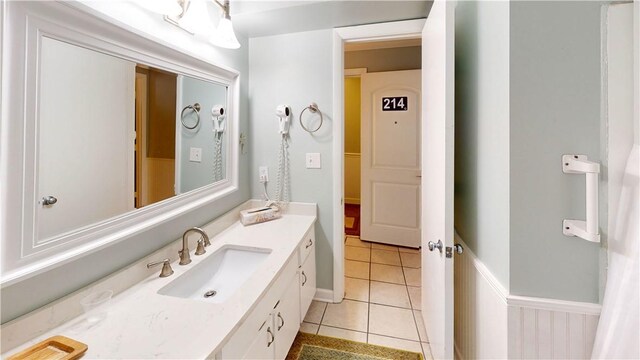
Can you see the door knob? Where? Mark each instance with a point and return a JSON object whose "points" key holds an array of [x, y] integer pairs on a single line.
{"points": [[433, 246], [49, 200], [458, 249]]}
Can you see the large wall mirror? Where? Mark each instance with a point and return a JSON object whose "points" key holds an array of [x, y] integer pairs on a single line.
{"points": [[117, 133]]}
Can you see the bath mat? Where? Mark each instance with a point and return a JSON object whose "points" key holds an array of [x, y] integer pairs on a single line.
{"points": [[318, 347], [352, 211]]}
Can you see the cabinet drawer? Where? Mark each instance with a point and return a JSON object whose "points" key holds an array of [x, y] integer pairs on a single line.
{"points": [[307, 245]]}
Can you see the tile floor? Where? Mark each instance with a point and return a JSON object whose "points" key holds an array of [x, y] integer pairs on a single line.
{"points": [[382, 299]]}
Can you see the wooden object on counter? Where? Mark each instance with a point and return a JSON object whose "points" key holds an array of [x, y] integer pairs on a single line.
{"points": [[53, 348]]}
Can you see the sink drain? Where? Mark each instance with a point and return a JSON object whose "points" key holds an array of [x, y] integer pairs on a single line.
{"points": [[210, 293]]}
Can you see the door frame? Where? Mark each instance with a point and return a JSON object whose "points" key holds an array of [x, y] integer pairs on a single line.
{"points": [[397, 30]]}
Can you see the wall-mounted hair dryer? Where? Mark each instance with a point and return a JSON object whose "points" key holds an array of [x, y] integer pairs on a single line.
{"points": [[284, 113], [218, 115]]}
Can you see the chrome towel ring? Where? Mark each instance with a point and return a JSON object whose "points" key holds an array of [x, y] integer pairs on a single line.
{"points": [[195, 108], [313, 108]]}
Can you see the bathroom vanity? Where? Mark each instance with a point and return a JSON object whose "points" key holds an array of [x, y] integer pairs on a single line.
{"points": [[256, 314]]}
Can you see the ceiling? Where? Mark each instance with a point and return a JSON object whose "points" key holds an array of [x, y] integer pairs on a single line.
{"points": [[254, 18]]}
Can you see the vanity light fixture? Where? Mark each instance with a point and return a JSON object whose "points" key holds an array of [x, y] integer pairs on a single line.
{"points": [[224, 36], [193, 18]]}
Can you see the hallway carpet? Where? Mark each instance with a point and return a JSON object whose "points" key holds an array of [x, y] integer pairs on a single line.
{"points": [[318, 347], [352, 227]]}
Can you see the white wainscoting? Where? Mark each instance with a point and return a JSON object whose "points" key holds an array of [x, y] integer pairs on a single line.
{"points": [[352, 178], [480, 314], [491, 324]]}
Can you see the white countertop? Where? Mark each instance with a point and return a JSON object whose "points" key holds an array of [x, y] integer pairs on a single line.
{"points": [[143, 324]]}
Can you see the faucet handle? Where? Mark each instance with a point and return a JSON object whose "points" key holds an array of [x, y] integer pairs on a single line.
{"points": [[166, 267], [200, 249]]}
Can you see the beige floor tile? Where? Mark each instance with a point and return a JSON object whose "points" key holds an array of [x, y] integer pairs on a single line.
{"points": [[384, 247], [394, 343], [392, 321], [411, 260], [408, 250], [348, 314], [356, 269], [315, 312], [422, 332], [412, 276], [426, 351], [309, 328], [343, 333], [356, 289], [415, 294], [389, 294], [385, 257], [387, 273], [357, 253], [355, 241]]}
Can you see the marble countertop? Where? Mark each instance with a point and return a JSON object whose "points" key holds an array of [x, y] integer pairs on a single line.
{"points": [[143, 324]]}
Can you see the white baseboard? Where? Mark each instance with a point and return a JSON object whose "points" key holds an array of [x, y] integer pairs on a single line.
{"points": [[490, 323], [324, 295]]}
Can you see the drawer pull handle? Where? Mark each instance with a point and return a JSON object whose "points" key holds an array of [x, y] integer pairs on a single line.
{"points": [[272, 337], [305, 278], [309, 244], [281, 319]]}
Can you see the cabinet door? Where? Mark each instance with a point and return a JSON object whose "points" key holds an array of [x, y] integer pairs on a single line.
{"points": [[286, 317], [307, 283], [263, 345]]}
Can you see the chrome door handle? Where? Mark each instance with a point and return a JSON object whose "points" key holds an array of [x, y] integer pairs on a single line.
{"points": [[458, 249], [309, 244], [49, 200], [433, 246], [305, 278]]}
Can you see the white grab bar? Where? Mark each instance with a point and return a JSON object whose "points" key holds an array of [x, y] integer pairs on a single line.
{"points": [[589, 229]]}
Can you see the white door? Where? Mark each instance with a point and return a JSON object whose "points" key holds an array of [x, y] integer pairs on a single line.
{"points": [[86, 135], [390, 137], [437, 184]]}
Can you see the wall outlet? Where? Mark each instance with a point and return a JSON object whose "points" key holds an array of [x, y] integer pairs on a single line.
{"points": [[195, 154], [263, 173], [313, 161]]}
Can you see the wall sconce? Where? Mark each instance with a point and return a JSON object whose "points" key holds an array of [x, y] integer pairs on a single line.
{"points": [[193, 18]]}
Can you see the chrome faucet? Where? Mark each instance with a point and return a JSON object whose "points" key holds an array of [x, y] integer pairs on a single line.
{"points": [[185, 258]]}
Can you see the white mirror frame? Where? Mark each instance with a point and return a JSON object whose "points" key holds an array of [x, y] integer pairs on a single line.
{"points": [[25, 24]]}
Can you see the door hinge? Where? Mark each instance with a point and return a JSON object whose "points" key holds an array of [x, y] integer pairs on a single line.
{"points": [[448, 251]]}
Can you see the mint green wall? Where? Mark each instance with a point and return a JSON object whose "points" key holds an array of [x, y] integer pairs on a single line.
{"points": [[527, 91], [295, 69], [482, 132], [555, 110]]}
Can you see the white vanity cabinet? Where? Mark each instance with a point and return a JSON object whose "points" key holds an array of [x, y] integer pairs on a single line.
{"points": [[307, 271], [269, 331], [262, 346]]}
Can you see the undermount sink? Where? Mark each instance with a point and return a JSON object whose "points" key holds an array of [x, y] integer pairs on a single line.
{"points": [[218, 276]]}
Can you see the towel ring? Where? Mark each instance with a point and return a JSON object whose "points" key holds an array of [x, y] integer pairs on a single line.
{"points": [[313, 108], [196, 108]]}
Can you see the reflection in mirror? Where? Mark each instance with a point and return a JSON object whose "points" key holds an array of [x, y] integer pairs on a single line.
{"points": [[112, 136]]}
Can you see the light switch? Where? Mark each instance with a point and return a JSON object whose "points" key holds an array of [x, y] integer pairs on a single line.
{"points": [[313, 161], [195, 154]]}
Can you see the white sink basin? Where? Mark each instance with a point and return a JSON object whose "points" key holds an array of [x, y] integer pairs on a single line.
{"points": [[218, 276]]}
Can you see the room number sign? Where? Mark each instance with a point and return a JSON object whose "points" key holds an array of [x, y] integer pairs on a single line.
{"points": [[397, 103]]}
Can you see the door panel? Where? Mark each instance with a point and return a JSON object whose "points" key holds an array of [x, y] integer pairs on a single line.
{"points": [[391, 159], [437, 187]]}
